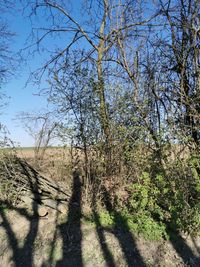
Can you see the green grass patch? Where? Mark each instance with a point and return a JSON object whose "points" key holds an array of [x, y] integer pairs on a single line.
{"points": [[141, 224]]}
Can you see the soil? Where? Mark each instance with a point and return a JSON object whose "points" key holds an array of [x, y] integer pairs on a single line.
{"points": [[69, 240]]}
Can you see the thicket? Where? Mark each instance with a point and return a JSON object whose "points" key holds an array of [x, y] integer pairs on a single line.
{"points": [[124, 84], [148, 194]]}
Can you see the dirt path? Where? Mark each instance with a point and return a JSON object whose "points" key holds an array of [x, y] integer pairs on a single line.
{"points": [[69, 240]]}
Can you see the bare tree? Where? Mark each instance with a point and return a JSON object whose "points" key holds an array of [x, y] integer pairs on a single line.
{"points": [[105, 23], [6, 58], [182, 59], [42, 128], [6, 63]]}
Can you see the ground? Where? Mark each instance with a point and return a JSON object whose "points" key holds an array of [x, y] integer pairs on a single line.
{"points": [[73, 239]]}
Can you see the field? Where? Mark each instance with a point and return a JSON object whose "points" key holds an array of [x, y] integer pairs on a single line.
{"points": [[56, 163]]}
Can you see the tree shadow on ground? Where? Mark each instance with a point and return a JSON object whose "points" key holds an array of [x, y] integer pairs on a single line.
{"points": [[71, 234], [71, 229], [23, 255], [183, 249], [196, 245], [125, 237], [101, 236]]}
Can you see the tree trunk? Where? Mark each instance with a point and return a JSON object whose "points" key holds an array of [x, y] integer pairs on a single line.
{"points": [[104, 118]]}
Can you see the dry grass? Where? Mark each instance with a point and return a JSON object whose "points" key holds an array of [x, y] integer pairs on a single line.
{"points": [[56, 163]]}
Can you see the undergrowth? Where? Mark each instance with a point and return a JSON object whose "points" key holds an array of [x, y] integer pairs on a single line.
{"points": [[161, 198]]}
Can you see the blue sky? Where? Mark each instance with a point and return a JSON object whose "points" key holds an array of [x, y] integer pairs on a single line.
{"points": [[21, 98], [24, 98]]}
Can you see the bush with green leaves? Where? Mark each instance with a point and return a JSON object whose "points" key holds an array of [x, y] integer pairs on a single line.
{"points": [[142, 211], [167, 199]]}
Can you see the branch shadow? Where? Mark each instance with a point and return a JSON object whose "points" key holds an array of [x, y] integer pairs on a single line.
{"points": [[23, 255], [182, 248], [196, 245], [101, 236], [71, 229], [124, 236], [52, 245]]}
